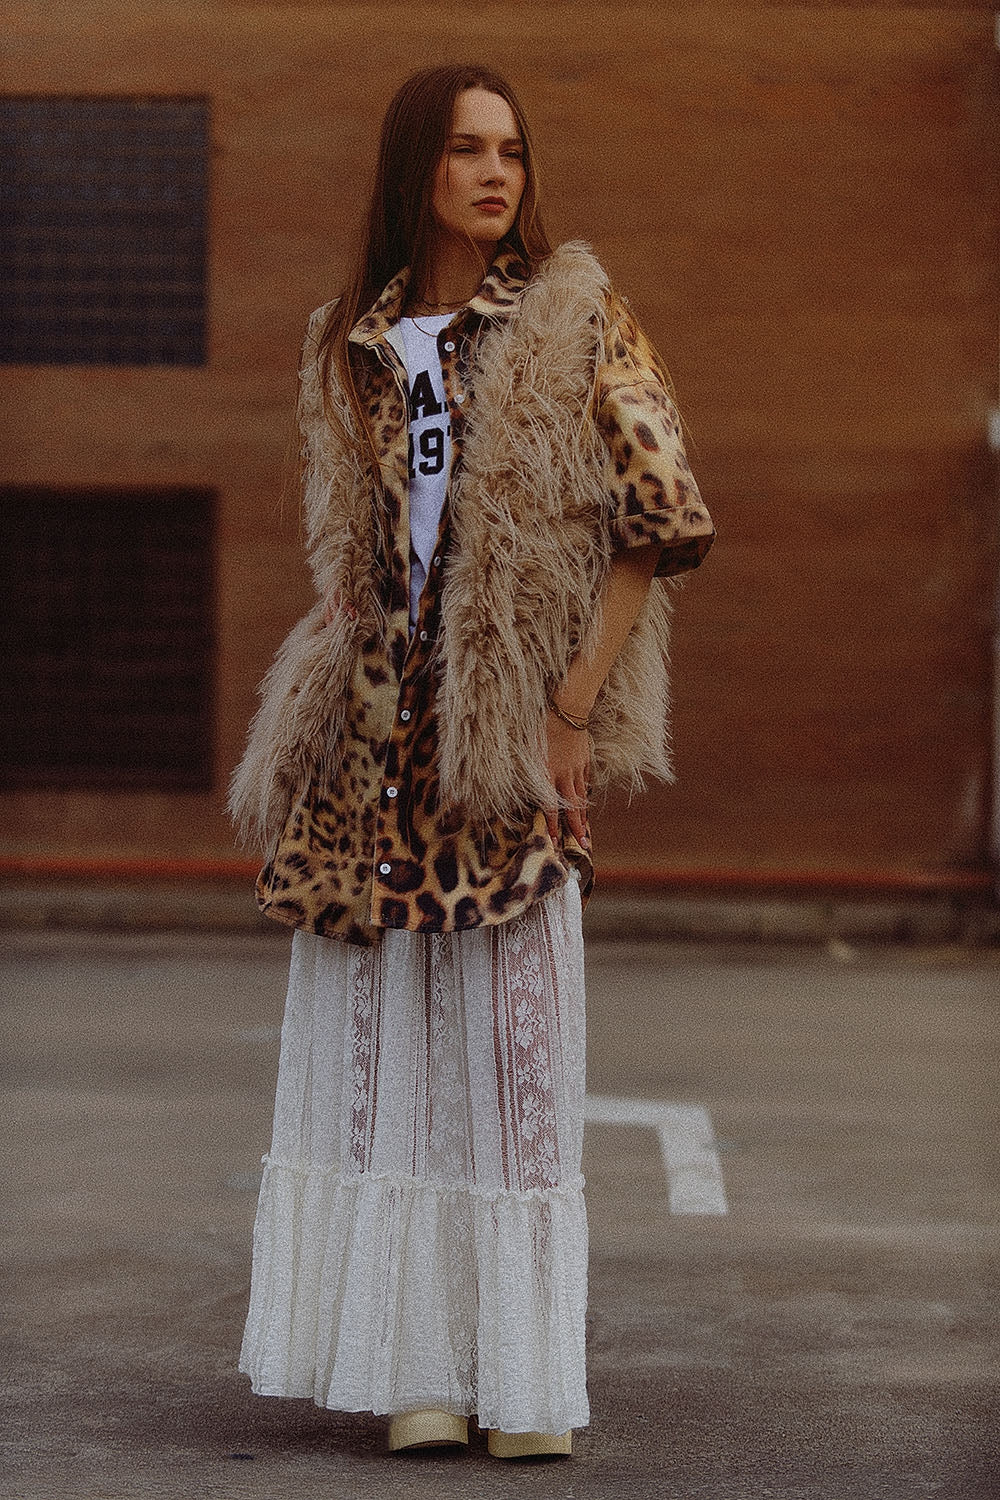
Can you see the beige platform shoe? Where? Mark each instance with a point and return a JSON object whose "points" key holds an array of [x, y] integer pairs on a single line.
{"points": [[427, 1429], [530, 1444]]}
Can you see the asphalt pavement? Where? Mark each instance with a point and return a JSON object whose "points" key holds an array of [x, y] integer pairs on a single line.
{"points": [[793, 1198]]}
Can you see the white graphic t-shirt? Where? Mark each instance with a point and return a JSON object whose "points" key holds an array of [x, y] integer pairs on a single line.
{"points": [[430, 444]]}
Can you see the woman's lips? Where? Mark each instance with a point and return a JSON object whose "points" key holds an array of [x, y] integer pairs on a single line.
{"points": [[492, 205]]}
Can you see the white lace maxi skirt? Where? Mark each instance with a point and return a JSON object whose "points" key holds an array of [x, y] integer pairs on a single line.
{"points": [[421, 1236]]}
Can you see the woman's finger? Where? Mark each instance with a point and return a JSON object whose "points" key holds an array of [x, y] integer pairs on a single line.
{"points": [[577, 818], [576, 823], [566, 787]]}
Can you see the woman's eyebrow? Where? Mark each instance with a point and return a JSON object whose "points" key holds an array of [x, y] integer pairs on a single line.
{"points": [[468, 135]]}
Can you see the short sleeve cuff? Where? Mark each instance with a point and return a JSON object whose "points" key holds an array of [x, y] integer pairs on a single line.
{"points": [[678, 554], [682, 556]]}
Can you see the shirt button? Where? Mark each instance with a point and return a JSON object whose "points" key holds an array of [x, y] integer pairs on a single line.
{"points": [[460, 397], [392, 791], [449, 347], [437, 562], [423, 635], [385, 869], [405, 715]]}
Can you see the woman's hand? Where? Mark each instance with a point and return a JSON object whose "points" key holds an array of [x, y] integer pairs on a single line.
{"points": [[625, 588], [569, 768]]}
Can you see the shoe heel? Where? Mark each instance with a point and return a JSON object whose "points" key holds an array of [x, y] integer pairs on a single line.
{"points": [[529, 1444], [427, 1429]]}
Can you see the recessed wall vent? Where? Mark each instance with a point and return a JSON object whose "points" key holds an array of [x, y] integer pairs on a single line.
{"points": [[107, 638], [103, 230]]}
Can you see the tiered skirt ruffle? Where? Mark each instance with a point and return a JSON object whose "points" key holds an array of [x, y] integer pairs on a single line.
{"points": [[421, 1234]]}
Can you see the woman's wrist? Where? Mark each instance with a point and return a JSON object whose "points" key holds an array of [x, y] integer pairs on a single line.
{"points": [[570, 716]]}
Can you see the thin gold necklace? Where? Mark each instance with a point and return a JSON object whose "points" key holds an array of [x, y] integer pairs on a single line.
{"points": [[441, 307]]}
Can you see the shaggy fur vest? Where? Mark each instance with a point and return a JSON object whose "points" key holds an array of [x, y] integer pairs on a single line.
{"points": [[531, 543]]}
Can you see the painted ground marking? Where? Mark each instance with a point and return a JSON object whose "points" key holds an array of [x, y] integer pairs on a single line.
{"points": [[687, 1141]]}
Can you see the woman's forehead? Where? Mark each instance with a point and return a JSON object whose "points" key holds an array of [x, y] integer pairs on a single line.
{"points": [[478, 112]]}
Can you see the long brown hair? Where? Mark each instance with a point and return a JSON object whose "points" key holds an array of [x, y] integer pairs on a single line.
{"points": [[400, 225]]}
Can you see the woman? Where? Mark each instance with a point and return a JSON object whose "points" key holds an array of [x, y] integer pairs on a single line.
{"points": [[494, 474]]}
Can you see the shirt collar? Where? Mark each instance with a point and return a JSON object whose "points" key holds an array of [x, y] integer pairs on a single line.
{"points": [[497, 296]]}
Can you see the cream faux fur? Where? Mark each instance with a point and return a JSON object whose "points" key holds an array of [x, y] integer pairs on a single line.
{"points": [[522, 584]]}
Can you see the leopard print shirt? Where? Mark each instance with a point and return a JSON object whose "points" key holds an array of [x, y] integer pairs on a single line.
{"points": [[372, 849]]}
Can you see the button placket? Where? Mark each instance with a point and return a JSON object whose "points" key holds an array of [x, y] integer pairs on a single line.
{"points": [[386, 834], [393, 852], [454, 390]]}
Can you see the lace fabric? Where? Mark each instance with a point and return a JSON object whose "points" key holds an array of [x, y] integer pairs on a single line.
{"points": [[421, 1235]]}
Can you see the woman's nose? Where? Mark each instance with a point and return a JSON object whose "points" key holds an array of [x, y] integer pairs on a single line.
{"points": [[494, 169]]}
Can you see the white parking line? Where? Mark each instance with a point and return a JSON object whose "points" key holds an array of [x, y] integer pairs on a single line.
{"points": [[687, 1140]]}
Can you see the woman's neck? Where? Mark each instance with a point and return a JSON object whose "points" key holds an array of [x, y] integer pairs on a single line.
{"points": [[454, 274]]}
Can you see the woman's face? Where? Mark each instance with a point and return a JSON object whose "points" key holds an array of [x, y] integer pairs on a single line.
{"points": [[480, 178]]}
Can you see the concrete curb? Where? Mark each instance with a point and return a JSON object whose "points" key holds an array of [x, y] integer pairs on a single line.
{"points": [[630, 916], [743, 918]]}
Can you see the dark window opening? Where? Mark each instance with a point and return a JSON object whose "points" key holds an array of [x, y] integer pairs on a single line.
{"points": [[107, 638], [103, 230]]}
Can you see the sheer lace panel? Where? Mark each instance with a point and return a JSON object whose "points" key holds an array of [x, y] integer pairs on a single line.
{"points": [[421, 1235]]}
